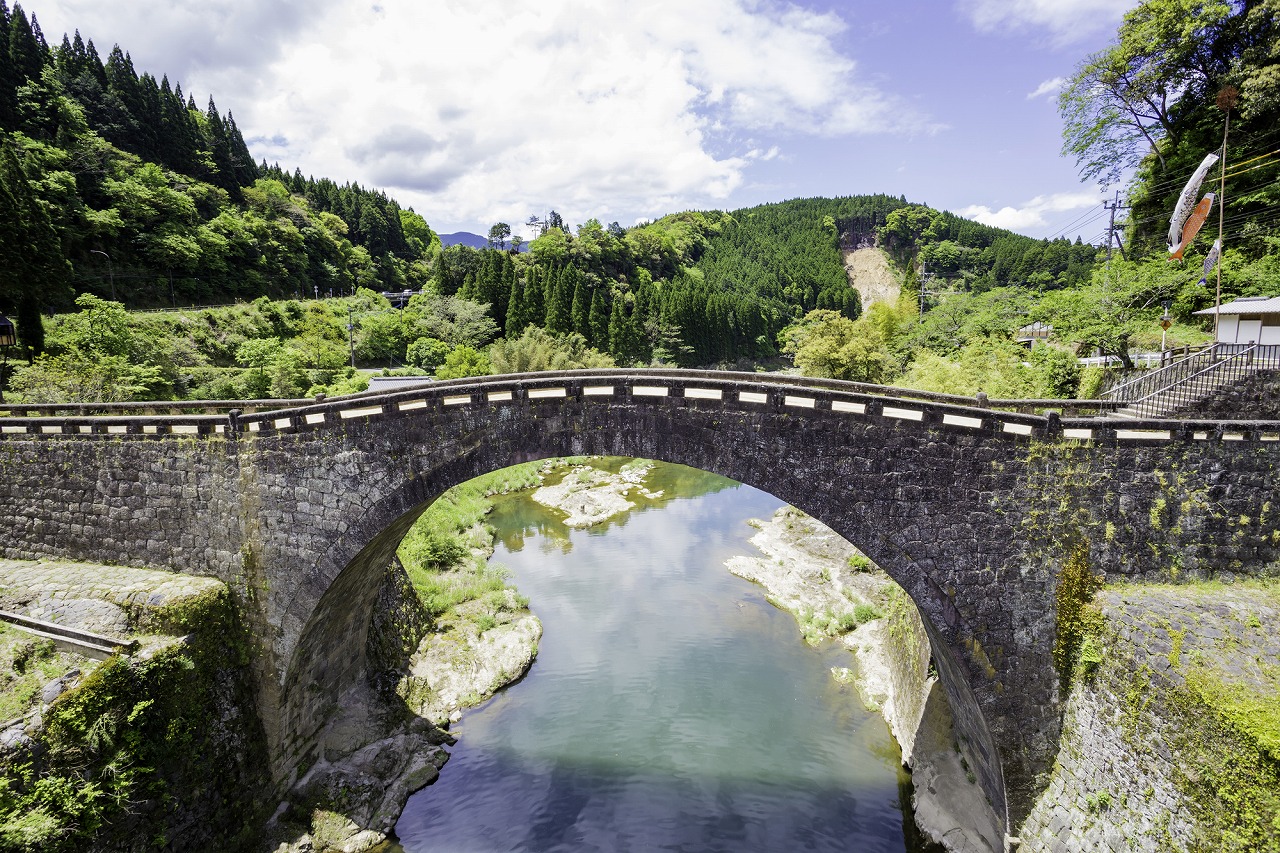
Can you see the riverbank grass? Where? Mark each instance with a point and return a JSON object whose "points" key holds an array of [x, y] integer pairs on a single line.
{"points": [[445, 553]]}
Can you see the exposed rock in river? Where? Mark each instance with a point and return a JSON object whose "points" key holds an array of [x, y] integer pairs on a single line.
{"points": [[833, 590], [461, 668], [386, 744], [590, 496]]}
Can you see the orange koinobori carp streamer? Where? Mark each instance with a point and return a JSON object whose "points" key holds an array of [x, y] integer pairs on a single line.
{"points": [[1187, 201]]}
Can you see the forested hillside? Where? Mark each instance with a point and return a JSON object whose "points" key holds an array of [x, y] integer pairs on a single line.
{"points": [[118, 184]]}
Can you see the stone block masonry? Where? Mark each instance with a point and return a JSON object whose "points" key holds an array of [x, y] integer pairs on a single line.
{"points": [[971, 511], [1153, 754]]}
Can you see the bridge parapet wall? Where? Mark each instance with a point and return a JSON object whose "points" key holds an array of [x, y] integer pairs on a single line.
{"points": [[730, 390]]}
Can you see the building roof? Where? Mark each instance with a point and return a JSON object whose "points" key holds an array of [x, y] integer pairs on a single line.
{"points": [[1248, 305]]}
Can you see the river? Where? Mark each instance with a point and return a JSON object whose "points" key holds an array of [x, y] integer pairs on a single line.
{"points": [[671, 707]]}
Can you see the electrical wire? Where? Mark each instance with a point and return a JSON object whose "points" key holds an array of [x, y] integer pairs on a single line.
{"points": [[1161, 187], [1088, 216]]}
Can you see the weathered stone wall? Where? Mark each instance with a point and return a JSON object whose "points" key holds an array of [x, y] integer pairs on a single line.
{"points": [[1256, 397], [400, 621], [1150, 761], [908, 654], [169, 737], [970, 511]]}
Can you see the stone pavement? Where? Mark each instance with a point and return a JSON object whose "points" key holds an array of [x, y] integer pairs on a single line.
{"points": [[104, 599]]}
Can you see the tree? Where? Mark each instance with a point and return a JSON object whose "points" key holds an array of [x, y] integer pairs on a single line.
{"points": [[538, 349], [464, 361], [428, 353], [1123, 301], [259, 354], [498, 235], [827, 344], [551, 247], [448, 318], [32, 264], [1119, 106]]}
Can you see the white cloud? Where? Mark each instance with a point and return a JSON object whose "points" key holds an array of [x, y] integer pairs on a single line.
{"points": [[191, 41], [473, 114], [1052, 86], [1031, 215], [1064, 21]]}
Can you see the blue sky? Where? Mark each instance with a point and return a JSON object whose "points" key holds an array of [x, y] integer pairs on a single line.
{"points": [[474, 113]]}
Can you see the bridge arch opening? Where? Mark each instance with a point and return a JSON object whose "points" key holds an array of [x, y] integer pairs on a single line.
{"points": [[329, 657]]}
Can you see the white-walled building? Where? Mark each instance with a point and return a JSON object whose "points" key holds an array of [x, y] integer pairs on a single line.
{"points": [[1249, 319]]}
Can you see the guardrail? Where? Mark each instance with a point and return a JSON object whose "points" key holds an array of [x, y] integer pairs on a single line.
{"points": [[147, 407], [742, 392]]}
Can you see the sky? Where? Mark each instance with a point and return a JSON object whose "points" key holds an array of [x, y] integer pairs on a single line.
{"points": [[474, 113]]}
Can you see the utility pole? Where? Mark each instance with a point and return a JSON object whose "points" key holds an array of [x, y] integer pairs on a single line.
{"points": [[111, 270], [925, 276], [1111, 227], [351, 335], [1227, 99]]}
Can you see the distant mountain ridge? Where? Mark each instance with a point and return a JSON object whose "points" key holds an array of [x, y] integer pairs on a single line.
{"points": [[464, 238], [474, 241]]}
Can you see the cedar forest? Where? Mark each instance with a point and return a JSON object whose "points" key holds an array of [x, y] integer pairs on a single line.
{"points": [[120, 193]]}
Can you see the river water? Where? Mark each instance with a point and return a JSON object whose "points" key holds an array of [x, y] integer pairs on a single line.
{"points": [[670, 707]]}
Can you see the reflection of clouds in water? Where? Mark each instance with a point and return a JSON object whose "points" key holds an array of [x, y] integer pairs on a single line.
{"points": [[643, 569], [670, 707]]}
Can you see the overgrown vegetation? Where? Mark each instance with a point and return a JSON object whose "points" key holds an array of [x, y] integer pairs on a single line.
{"points": [[1220, 726], [446, 552], [124, 759], [26, 665], [1077, 617]]}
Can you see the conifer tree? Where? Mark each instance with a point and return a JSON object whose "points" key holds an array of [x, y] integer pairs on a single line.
{"points": [[515, 312], [534, 302], [8, 81], [26, 59], [617, 334], [560, 301], [599, 320], [580, 312], [468, 289]]}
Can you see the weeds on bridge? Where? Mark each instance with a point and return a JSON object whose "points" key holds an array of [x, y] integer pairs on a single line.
{"points": [[1078, 619]]}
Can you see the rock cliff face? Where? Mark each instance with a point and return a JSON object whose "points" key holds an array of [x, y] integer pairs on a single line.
{"points": [[161, 748]]}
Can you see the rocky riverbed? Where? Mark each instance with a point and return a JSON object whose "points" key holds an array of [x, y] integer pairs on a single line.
{"points": [[588, 496]]}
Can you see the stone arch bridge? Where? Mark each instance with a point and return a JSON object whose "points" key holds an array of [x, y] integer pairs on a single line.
{"points": [[972, 510]]}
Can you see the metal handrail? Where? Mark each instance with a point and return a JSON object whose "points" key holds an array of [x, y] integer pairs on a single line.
{"points": [[1198, 385], [1126, 393]]}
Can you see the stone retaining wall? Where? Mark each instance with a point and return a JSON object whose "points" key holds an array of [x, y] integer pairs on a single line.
{"points": [[1149, 759], [1256, 397]]}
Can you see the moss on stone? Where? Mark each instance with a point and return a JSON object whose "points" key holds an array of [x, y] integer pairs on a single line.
{"points": [[158, 752], [1076, 619]]}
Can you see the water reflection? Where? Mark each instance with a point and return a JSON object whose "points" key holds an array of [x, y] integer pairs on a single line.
{"points": [[670, 708]]}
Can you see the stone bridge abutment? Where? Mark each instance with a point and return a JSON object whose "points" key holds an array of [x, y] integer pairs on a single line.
{"points": [[972, 511]]}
